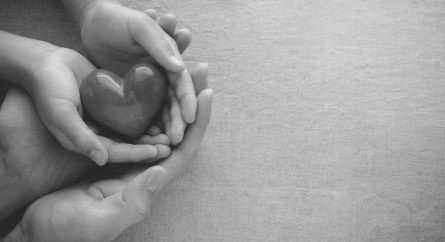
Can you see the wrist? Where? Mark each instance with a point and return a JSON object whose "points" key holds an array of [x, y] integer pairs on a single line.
{"points": [[17, 55]]}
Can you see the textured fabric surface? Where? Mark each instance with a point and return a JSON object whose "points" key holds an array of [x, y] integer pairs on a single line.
{"points": [[328, 120]]}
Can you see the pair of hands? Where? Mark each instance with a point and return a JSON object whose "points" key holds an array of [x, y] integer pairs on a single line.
{"points": [[38, 163], [100, 207], [115, 38]]}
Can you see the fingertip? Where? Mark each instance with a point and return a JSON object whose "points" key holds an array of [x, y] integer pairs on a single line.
{"points": [[177, 134], [188, 108], [178, 65], [97, 157], [154, 140], [153, 130], [144, 152], [183, 38], [168, 23], [155, 177], [207, 94], [151, 13], [199, 76], [164, 151]]}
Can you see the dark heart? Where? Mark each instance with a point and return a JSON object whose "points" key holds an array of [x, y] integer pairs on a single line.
{"points": [[126, 105]]}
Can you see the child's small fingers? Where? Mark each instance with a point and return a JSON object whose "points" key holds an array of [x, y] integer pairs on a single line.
{"points": [[183, 38], [151, 13], [168, 23], [164, 151], [65, 123], [165, 118], [199, 76], [177, 124], [153, 129], [162, 139], [122, 152]]}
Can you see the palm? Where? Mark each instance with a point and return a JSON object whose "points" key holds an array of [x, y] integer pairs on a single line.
{"points": [[96, 212], [34, 159], [100, 208]]}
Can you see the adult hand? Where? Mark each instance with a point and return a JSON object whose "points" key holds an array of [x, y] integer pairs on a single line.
{"points": [[116, 37], [32, 162], [100, 209]]}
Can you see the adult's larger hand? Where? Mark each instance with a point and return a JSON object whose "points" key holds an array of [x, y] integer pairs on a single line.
{"points": [[99, 210]]}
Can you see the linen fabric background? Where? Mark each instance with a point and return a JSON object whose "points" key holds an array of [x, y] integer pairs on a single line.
{"points": [[328, 121]]}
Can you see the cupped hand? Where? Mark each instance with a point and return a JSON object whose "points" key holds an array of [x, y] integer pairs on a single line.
{"points": [[169, 120], [32, 162], [116, 38], [100, 209], [55, 82]]}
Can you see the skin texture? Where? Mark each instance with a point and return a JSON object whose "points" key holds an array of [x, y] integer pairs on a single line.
{"points": [[102, 206], [32, 161], [116, 38], [53, 83]]}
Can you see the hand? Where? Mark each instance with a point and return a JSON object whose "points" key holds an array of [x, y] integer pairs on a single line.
{"points": [[116, 38], [32, 162], [100, 209], [55, 79], [169, 119]]}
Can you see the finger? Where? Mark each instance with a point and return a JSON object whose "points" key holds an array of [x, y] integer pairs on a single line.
{"points": [[149, 35], [138, 196], [162, 139], [164, 151], [199, 76], [106, 188], [151, 13], [183, 85], [133, 204], [122, 152], [177, 123], [183, 38], [72, 132], [153, 129], [165, 118], [168, 23], [188, 149]]}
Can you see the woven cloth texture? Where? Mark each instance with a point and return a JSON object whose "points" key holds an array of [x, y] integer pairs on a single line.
{"points": [[328, 121]]}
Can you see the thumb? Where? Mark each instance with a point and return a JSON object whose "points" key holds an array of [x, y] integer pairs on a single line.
{"points": [[139, 194], [123, 209], [149, 35], [65, 123]]}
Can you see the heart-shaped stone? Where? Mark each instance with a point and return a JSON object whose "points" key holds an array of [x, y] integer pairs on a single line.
{"points": [[126, 105]]}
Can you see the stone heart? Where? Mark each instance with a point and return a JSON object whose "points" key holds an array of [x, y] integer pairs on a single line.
{"points": [[126, 105]]}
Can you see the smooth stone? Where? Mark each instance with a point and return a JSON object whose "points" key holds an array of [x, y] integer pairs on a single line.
{"points": [[126, 105]]}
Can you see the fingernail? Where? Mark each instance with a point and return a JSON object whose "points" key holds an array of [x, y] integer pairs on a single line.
{"points": [[96, 156], [176, 60], [154, 180]]}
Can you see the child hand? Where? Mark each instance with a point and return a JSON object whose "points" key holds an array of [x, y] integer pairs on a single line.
{"points": [[55, 80], [116, 37]]}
